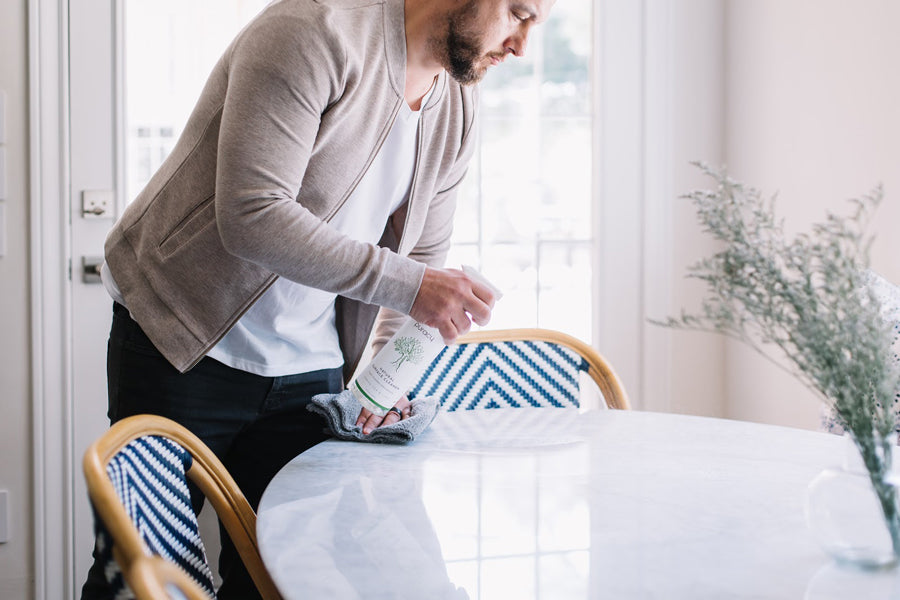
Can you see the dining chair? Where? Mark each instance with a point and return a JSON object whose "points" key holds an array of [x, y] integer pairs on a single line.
{"points": [[137, 474], [515, 368], [155, 577]]}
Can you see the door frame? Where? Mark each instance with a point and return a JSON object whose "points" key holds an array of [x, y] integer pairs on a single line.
{"points": [[49, 204], [633, 192]]}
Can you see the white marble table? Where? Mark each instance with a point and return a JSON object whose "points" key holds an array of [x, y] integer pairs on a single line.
{"points": [[552, 503]]}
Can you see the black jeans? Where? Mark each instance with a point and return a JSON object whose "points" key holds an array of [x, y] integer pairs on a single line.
{"points": [[254, 424]]}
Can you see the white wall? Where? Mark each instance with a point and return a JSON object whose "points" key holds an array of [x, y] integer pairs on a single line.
{"points": [[812, 97], [698, 367], [16, 565]]}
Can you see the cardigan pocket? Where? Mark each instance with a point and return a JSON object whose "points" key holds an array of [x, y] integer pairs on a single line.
{"points": [[192, 225]]}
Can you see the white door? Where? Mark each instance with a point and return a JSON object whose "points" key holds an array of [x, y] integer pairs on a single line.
{"points": [[136, 68], [92, 177]]}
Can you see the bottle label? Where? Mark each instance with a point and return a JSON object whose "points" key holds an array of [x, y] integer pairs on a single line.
{"points": [[358, 388], [395, 369], [378, 383], [407, 350]]}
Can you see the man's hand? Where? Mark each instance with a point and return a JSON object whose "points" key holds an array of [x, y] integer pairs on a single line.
{"points": [[449, 301], [369, 421]]}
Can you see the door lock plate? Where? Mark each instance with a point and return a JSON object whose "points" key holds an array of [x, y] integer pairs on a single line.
{"points": [[97, 204]]}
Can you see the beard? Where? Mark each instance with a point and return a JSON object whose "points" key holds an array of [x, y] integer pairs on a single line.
{"points": [[461, 50]]}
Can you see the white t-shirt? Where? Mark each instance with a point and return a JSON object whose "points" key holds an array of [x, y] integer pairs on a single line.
{"points": [[291, 328]]}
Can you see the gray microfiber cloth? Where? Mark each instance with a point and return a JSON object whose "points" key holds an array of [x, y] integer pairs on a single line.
{"points": [[341, 410]]}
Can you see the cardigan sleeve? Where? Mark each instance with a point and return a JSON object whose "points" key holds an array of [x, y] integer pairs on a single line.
{"points": [[279, 85], [433, 245]]}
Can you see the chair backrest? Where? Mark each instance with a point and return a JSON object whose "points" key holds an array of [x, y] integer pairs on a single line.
{"points": [[136, 478], [149, 477], [517, 367]]}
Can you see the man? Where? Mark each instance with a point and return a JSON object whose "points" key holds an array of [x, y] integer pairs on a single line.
{"points": [[314, 182]]}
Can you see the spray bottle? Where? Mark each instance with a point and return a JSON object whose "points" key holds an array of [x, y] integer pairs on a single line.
{"points": [[401, 362]]}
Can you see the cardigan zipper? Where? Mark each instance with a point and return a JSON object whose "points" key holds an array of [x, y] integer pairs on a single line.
{"points": [[372, 155], [420, 144], [326, 219]]}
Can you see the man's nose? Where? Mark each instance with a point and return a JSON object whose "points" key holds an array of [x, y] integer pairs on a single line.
{"points": [[517, 43]]}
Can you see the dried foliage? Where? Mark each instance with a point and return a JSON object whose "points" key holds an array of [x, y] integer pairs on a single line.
{"points": [[809, 297]]}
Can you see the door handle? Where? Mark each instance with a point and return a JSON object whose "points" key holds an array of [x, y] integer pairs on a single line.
{"points": [[90, 269]]}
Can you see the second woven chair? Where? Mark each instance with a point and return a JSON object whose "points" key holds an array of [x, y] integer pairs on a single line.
{"points": [[137, 476], [515, 368]]}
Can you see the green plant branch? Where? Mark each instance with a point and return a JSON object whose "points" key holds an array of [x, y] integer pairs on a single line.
{"points": [[807, 297]]}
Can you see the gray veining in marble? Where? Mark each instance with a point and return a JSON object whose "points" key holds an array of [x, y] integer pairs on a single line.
{"points": [[553, 503]]}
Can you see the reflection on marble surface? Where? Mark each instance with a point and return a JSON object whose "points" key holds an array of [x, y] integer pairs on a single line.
{"points": [[837, 581], [551, 503]]}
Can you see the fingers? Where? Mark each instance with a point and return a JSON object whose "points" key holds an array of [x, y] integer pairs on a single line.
{"points": [[480, 308], [450, 300], [364, 416], [485, 291], [369, 421], [452, 330]]}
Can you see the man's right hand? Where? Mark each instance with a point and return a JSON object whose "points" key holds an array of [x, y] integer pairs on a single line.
{"points": [[449, 300]]}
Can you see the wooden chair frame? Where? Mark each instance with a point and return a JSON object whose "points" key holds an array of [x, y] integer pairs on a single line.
{"points": [[598, 368], [151, 575], [206, 471]]}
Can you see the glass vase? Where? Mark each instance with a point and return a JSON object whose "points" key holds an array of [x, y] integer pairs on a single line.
{"points": [[853, 510]]}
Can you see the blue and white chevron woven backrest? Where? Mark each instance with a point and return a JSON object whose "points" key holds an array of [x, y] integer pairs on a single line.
{"points": [[503, 374], [149, 477]]}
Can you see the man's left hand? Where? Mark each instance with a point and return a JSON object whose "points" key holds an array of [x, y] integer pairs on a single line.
{"points": [[370, 421]]}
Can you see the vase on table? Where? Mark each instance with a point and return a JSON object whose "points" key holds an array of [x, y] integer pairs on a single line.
{"points": [[853, 511]]}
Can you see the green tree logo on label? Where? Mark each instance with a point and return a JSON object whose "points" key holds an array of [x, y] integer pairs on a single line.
{"points": [[408, 349]]}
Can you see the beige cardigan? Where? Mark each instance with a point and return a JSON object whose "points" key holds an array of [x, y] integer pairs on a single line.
{"points": [[287, 124]]}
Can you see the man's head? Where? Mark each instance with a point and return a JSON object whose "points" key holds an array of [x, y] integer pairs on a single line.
{"points": [[480, 33]]}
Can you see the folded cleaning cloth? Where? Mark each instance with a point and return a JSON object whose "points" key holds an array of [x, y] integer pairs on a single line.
{"points": [[341, 410]]}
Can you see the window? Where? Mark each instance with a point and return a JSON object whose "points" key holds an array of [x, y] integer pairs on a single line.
{"points": [[524, 216], [170, 48]]}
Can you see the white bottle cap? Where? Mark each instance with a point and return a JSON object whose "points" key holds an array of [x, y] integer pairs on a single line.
{"points": [[474, 275]]}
